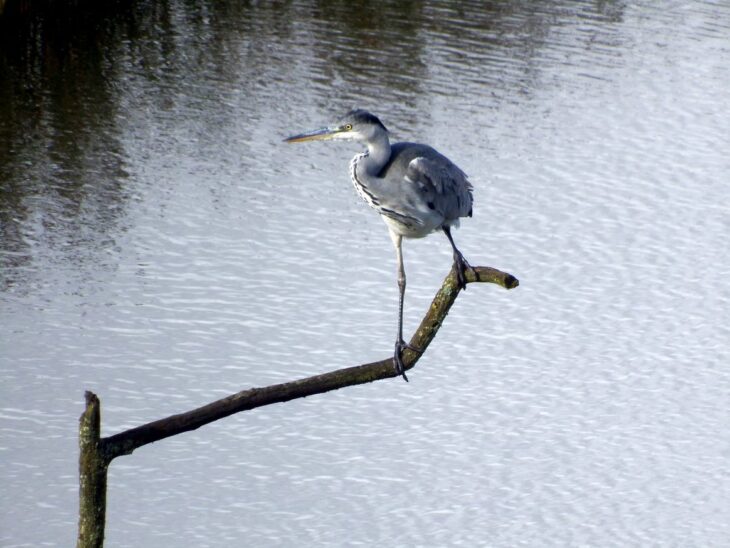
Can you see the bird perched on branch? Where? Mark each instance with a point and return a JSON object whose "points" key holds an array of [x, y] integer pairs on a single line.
{"points": [[415, 189]]}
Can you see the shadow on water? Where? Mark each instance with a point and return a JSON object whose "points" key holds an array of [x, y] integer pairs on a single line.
{"points": [[78, 74]]}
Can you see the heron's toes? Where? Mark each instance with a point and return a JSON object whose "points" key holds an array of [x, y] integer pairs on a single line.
{"points": [[400, 346], [399, 367], [461, 266]]}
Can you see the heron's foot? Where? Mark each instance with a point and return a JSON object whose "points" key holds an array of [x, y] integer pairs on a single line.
{"points": [[400, 346], [461, 265]]}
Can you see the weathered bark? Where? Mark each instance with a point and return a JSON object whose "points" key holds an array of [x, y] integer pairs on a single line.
{"points": [[97, 452], [93, 465]]}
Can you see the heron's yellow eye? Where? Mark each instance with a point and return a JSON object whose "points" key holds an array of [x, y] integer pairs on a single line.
{"points": [[348, 127]]}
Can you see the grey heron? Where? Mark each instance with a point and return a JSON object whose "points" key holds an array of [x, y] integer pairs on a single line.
{"points": [[415, 189]]}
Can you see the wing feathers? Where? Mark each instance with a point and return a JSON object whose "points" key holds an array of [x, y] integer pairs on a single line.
{"points": [[442, 184]]}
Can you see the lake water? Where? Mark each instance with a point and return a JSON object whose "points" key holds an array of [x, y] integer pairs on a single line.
{"points": [[163, 248]]}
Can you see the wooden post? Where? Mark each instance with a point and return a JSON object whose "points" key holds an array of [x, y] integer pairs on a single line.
{"points": [[93, 465]]}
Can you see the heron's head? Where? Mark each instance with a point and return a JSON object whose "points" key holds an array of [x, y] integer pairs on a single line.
{"points": [[356, 125]]}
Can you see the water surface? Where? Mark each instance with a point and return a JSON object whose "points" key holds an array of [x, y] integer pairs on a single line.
{"points": [[162, 247]]}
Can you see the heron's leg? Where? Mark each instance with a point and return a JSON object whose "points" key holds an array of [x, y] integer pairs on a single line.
{"points": [[400, 344], [461, 264]]}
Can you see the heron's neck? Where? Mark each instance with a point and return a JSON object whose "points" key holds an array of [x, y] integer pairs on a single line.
{"points": [[378, 155]]}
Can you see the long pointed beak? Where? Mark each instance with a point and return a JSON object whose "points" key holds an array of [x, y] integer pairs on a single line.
{"points": [[321, 134]]}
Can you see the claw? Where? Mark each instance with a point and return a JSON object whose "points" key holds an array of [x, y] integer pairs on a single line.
{"points": [[400, 346], [461, 265]]}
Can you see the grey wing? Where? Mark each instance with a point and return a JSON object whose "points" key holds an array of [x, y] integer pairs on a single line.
{"points": [[444, 186]]}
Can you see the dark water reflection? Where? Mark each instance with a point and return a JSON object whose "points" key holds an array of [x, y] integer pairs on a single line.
{"points": [[75, 82], [161, 246], [61, 160]]}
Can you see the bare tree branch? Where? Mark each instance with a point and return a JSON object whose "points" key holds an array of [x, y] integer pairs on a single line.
{"points": [[126, 442], [96, 453]]}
